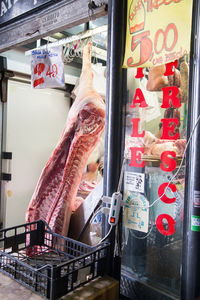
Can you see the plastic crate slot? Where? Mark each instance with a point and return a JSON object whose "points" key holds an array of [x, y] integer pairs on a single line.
{"points": [[9, 232], [14, 241], [20, 230]]}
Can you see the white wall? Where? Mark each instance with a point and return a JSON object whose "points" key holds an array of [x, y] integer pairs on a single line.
{"points": [[35, 120]]}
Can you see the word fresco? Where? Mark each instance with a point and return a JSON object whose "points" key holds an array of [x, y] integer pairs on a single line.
{"points": [[150, 43], [168, 162]]}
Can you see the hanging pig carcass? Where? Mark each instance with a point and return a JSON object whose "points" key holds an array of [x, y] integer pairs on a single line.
{"points": [[56, 190]]}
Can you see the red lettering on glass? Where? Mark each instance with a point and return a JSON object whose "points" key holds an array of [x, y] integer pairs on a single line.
{"points": [[170, 68], [140, 73], [160, 226], [139, 98], [170, 97], [161, 192], [168, 132], [136, 157], [135, 132], [169, 161]]}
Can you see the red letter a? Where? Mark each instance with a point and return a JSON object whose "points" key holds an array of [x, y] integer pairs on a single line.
{"points": [[139, 98]]}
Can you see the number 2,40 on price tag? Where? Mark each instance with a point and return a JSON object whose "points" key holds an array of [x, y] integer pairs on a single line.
{"points": [[47, 68]]}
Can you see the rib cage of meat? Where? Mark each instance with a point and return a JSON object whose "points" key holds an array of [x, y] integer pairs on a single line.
{"points": [[56, 190]]}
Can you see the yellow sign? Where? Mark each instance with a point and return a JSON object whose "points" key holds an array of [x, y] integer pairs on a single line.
{"points": [[158, 32]]}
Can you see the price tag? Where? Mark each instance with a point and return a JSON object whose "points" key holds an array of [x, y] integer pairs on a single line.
{"points": [[136, 214], [47, 68], [134, 182], [158, 32]]}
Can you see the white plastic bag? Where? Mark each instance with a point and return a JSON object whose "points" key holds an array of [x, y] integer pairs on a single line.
{"points": [[47, 68]]}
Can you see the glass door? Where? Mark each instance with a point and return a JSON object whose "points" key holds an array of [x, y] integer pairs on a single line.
{"points": [[154, 179]]}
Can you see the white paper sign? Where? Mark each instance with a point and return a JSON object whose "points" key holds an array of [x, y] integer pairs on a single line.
{"points": [[136, 214], [47, 68], [134, 182]]}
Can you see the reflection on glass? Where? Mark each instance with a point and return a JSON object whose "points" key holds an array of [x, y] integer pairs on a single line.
{"points": [[154, 176]]}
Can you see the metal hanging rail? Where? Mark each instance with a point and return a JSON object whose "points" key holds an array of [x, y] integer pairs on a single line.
{"points": [[81, 36]]}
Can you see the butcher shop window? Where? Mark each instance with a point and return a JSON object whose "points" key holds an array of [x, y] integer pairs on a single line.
{"points": [[44, 145], [154, 177]]}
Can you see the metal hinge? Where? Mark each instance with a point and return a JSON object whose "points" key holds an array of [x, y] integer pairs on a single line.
{"points": [[4, 76], [6, 176], [95, 4]]}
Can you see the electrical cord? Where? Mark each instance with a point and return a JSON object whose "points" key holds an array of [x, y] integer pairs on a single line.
{"points": [[104, 210], [118, 190], [106, 236]]}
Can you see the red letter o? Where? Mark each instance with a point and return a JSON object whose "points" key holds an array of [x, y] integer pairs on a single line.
{"points": [[160, 226]]}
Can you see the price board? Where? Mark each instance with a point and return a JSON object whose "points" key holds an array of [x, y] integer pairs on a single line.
{"points": [[158, 32], [47, 68]]}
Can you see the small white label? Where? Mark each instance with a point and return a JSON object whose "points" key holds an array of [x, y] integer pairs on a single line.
{"points": [[47, 68], [134, 182], [136, 214]]}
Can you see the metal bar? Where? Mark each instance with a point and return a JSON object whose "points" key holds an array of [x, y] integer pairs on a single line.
{"points": [[114, 109], [99, 53], [190, 288], [55, 18], [72, 38], [38, 44], [3, 67]]}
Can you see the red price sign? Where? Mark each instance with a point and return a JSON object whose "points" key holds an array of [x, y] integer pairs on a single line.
{"points": [[162, 41]]}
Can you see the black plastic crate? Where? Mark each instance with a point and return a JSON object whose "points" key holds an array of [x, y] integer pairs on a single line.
{"points": [[48, 263]]}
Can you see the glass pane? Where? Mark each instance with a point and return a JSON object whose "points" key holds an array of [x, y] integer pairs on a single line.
{"points": [[156, 117]]}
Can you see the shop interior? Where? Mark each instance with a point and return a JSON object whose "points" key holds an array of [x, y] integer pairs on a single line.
{"points": [[33, 122], [34, 118]]}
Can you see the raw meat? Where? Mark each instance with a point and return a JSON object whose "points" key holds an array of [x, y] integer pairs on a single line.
{"points": [[181, 145], [87, 186], [156, 79], [174, 80], [178, 146], [56, 190], [154, 146], [158, 149], [184, 70], [149, 139]]}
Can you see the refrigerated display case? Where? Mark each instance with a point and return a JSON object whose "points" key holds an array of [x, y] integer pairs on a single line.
{"points": [[152, 254]]}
